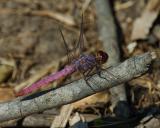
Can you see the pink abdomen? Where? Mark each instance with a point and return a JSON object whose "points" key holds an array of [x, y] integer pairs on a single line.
{"points": [[55, 76]]}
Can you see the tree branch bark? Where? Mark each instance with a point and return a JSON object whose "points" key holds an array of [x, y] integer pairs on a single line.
{"points": [[108, 35], [76, 90]]}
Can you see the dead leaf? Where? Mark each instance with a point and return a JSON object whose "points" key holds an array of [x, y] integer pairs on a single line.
{"points": [[101, 97], [6, 94], [5, 71], [142, 25]]}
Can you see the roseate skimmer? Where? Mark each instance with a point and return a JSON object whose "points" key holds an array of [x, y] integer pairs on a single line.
{"points": [[84, 64]]}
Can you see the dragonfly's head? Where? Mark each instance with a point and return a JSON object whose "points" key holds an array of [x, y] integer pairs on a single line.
{"points": [[101, 57]]}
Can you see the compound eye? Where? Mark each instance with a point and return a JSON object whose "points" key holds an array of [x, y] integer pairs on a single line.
{"points": [[103, 56]]}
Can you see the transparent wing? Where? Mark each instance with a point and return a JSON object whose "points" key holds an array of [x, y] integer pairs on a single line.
{"points": [[66, 46], [80, 43]]}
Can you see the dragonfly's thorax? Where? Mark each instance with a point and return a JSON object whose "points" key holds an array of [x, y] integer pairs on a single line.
{"points": [[85, 62]]}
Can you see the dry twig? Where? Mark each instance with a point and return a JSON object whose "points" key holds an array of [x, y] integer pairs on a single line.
{"points": [[108, 36], [61, 120], [77, 90]]}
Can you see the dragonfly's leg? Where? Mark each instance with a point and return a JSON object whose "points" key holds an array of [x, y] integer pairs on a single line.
{"points": [[99, 69], [109, 72], [86, 80], [87, 72], [85, 77]]}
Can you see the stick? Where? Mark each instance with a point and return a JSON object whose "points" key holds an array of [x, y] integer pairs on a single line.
{"points": [[108, 35], [76, 90]]}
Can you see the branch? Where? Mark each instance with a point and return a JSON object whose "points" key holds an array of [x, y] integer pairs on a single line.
{"points": [[77, 90], [107, 31]]}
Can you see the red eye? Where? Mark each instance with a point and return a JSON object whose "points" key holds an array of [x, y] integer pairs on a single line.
{"points": [[103, 57]]}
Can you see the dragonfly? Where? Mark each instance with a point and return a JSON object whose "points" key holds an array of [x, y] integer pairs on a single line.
{"points": [[84, 63]]}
